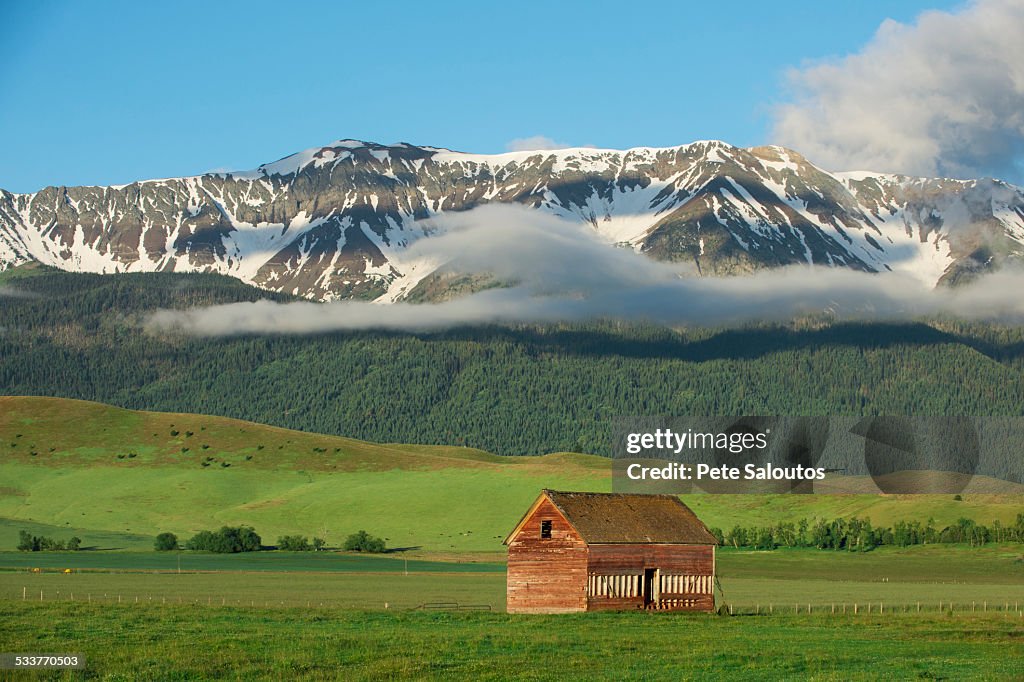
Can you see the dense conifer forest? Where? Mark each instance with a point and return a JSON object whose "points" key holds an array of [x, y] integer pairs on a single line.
{"points": [[510, 390]]}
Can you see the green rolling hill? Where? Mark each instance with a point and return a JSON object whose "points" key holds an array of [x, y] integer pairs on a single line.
{"points": [[116, 477]]}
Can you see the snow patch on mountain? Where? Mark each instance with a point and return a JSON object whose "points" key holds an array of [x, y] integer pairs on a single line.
{"points": [[342, 220]]}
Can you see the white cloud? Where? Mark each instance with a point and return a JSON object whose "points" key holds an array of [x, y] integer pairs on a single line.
{"points": [[535, 143], [563, 273], [943, 96]]}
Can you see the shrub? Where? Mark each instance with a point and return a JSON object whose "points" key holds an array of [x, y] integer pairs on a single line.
{"points": [[294, 543], [31, 543], [228, 540], [203, 541], [50, 545], [364, 542], [26, 542], [166, 542]]}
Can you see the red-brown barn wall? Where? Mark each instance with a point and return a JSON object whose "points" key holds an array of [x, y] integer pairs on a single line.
{"points": [[547, 575], [694, 560], [687, 559]]}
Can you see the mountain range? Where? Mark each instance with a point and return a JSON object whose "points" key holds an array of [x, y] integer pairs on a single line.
{"points": [[336, 222]]}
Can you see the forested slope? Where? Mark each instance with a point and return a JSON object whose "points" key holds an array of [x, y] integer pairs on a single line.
{"points": [[524, 390]]}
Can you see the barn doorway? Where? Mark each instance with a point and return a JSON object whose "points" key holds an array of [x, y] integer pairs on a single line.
{"points": [[650, 582]]}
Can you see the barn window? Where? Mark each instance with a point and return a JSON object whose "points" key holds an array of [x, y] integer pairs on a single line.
{"points": [[545, 529]]}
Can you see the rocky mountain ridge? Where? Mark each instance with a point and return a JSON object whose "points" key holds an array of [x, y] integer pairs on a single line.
{"points": [[335, 222]]}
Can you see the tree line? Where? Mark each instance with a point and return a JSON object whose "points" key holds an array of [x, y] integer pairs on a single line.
{"points": [[856, 534], [36, 543], [235, 539]]}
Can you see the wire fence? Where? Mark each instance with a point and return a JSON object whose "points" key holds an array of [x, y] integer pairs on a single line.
{"points": [[1008, 608]]}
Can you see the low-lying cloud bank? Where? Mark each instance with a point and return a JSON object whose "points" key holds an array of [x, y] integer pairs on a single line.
{"points": [[943, 96], [770, 296], [10, 292], [562, 272]]}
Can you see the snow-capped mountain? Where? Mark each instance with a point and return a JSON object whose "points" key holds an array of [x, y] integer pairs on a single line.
{"points": [[334, 222]]}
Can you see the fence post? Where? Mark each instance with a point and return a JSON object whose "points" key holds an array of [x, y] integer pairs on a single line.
{"points": [[24, 593], [855, 608]]}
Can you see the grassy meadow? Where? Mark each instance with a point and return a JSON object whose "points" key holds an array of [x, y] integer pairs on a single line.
{"points": [[130, 475], [116, 478], [992, 576], [160, 642], [238, 618]]}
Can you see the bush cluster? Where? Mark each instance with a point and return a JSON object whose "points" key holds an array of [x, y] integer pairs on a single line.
{"points": [[166, 542], [364, 542], [299, 543], [227, 540], [33, 543], [244, 539]]}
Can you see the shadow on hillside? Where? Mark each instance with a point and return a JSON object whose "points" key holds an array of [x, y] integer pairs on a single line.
{"points": [[398, 550], [745, 343]]}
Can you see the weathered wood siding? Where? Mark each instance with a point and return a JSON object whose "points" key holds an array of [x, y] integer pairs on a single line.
{"points": [[547, 575], [684, 578]]}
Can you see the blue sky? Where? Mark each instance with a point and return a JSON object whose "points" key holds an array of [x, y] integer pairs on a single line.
{"points": [[105, 92]]}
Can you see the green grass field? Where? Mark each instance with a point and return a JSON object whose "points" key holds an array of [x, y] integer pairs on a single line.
{"points": [[161, 642], [279, 481], [116, 478], [185, 561], [317, 616], [990, 576]]}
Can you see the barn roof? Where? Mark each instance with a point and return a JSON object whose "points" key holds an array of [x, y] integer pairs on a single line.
{"points": [[620, 518]]}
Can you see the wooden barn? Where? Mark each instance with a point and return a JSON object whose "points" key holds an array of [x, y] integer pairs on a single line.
{"points": [[593, 551]]}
